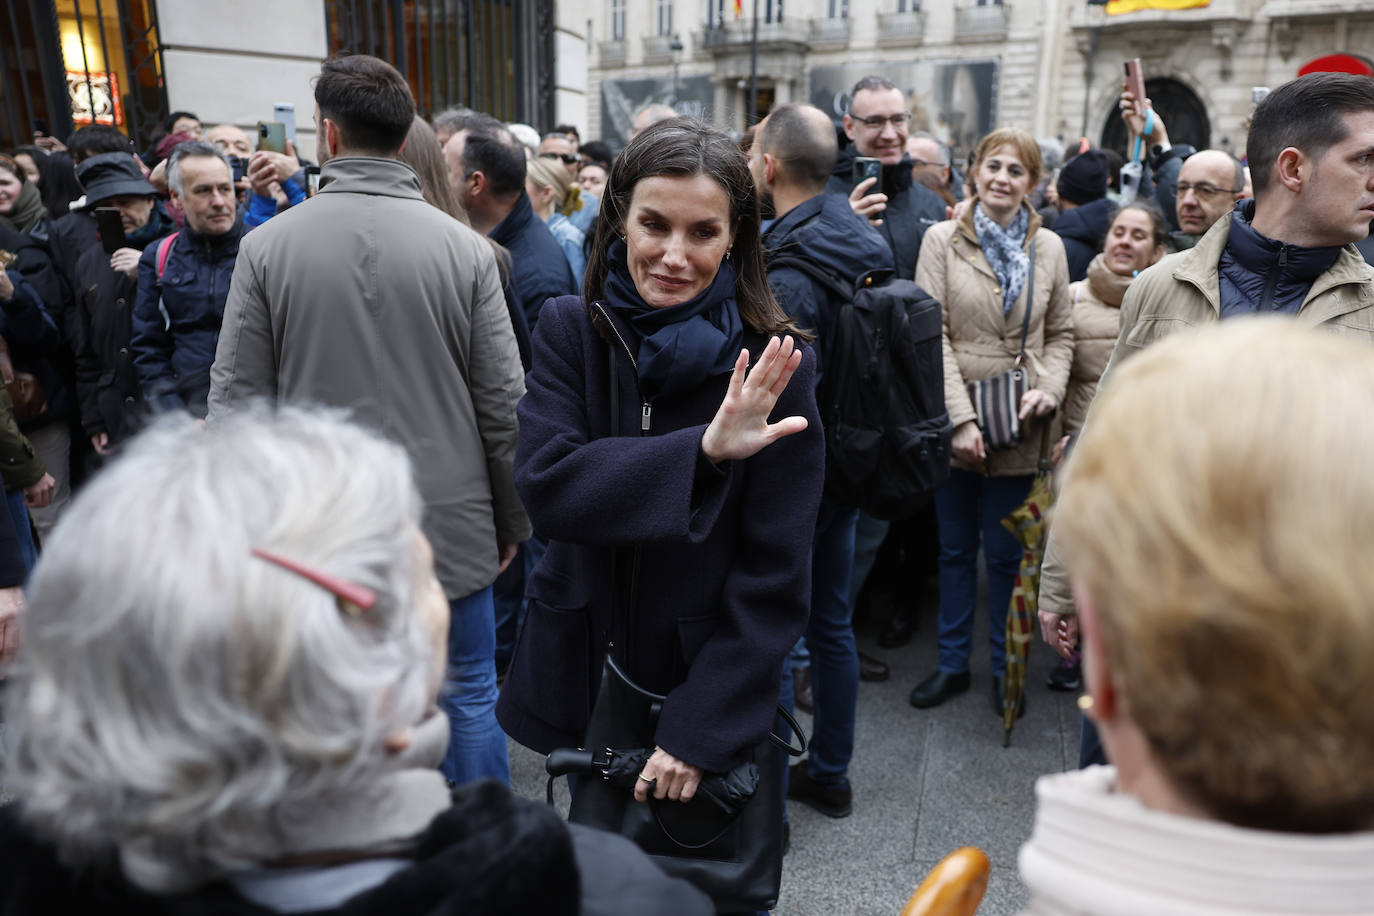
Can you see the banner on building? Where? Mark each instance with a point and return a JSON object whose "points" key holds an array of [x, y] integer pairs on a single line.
{"points": [[692, 96], [953, 100], [1117, 7]]}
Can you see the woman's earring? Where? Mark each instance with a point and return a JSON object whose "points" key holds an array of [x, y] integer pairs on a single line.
{"points": [[1085, 703], [728, 252]]}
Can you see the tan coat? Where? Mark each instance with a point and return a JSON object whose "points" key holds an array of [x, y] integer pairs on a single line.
{"points": [[980, 341], [1096, 322], [1182, 291]]}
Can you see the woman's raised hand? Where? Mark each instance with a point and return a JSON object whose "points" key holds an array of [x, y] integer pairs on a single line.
{"points": [[741, 428]]}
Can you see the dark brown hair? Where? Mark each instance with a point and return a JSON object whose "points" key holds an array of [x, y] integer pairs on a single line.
{"points": [[1307, 113], [368, 99], [683, 148]]}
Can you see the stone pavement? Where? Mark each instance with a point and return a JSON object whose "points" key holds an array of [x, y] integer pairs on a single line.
{"points": [[925, 783]]}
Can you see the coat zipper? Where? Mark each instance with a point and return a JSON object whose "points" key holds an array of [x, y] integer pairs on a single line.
{"points": [[646, 414], [1271, 283], [645, 420]]}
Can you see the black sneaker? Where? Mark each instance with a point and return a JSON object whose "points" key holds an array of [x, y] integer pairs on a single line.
{"points": [[832, 801], [1066, 678]]}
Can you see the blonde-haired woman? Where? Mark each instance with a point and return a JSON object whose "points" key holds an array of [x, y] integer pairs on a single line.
{"points": [[550, 189], [983, 268], [1218, 548]]}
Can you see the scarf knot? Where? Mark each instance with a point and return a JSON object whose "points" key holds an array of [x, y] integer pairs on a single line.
{"points": [[1005, 251], [680, 346]]}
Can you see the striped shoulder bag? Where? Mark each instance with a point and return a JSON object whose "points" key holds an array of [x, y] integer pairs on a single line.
{"points": [[997, 400]]}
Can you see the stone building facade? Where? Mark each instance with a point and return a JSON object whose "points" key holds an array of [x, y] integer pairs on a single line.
{"points": [[1052, 66]]}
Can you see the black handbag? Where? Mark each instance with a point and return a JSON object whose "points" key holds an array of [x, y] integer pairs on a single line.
{"points": [[997, 400], [727, 841]]}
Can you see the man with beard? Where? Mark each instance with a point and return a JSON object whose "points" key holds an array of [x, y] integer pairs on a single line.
{"points": [[791, 159]]}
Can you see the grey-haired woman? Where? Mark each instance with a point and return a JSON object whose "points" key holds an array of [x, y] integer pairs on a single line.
{"points": [[225, 701]]}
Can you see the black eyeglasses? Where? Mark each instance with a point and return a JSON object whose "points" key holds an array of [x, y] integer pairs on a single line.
{"points": [[897, 120], [1204, 189], [568, 158]]}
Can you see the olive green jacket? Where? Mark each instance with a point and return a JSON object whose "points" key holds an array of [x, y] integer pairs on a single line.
{"points": [[20, 465]]}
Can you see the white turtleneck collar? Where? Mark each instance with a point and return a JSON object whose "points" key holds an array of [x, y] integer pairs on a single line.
{"points": [[1098, 852]]}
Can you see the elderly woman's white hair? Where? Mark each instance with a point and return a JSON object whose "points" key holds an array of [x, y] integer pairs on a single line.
{"points": [[177, 700]]}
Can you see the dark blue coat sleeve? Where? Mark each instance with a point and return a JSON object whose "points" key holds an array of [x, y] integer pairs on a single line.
{"points": [[618, 490], [27, 324], [767, 596]]}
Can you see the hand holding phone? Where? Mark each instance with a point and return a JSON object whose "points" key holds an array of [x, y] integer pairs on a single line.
{"points": [[1135, 80], [866, 167], [272, 136]]}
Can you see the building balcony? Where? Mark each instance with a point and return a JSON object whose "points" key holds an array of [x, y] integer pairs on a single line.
{"points": [[981, 23], [830, 34], [658, 49], [611, 53], [900, 29], [732, 37]]}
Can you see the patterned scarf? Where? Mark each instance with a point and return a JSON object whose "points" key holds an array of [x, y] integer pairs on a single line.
{"points": [[1004, 249]]}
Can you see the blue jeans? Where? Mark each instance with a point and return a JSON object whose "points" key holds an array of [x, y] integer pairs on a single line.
{"points": [[23, 531], [509, 595], [477, 746], [868, 538], [971, 506], [830, 639]]}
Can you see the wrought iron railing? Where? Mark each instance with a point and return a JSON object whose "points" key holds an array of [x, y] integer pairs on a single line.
{"points": [[491, 55]]}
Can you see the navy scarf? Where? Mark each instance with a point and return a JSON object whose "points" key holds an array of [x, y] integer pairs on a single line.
{"points": [[682, 345]]}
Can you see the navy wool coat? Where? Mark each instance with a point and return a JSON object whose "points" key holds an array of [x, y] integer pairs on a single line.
{"points": [[720, 556]]}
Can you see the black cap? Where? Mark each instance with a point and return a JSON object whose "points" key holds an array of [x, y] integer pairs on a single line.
{"points": [[113, 175], [1083, 179]]}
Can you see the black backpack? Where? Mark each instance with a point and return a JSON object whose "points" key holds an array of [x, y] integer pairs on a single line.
{"points": [[882, 393]]}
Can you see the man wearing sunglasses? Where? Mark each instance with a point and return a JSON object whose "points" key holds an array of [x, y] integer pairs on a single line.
{"points": [[560, 148], [876, 126]]}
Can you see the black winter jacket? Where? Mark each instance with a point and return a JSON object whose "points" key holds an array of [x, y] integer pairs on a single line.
{"points": [[911, 208], [107, 385], [176, 319], [827, 233], [1083, 229], [33, 260]]}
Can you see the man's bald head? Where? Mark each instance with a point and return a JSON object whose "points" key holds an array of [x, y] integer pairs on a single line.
{"points": [[1209, 184], [648, 116], [802, 140]]}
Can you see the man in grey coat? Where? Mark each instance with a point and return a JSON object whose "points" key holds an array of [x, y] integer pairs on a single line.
{"points": [[368, 298]]}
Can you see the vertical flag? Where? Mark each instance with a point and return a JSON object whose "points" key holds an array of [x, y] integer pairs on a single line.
{"points": [[739, 8]]}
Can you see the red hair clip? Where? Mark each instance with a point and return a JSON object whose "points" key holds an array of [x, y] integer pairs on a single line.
{"points": [[353, 598]]}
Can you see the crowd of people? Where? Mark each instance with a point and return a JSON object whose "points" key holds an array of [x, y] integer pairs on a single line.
{"points": [[484, 417]]}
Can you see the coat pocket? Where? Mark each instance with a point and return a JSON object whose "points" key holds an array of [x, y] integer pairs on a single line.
{"points": [[550, 668]]}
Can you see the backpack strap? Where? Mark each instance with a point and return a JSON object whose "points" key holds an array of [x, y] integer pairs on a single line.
{"points": [[815, 272], [164, 251]]}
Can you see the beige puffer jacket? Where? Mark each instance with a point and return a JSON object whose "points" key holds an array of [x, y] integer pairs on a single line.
{"points": [[981, 342], [1096, 305]]}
